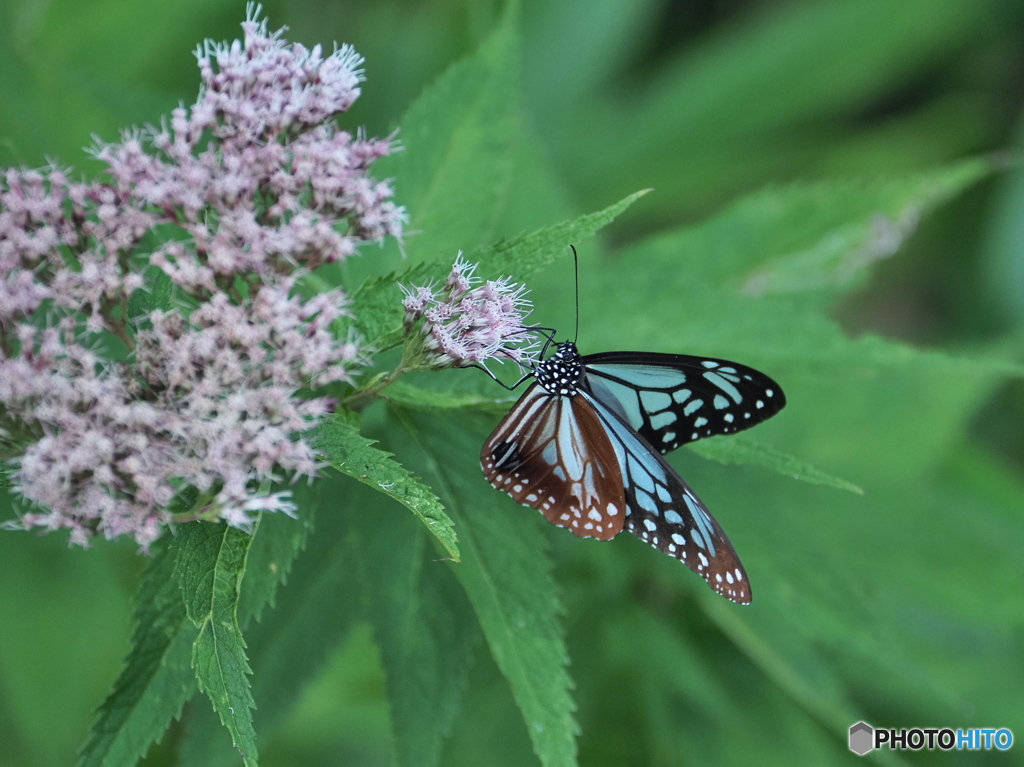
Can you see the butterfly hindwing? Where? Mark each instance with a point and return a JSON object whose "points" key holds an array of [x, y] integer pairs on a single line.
{"points": [[552, 453], [664, 512], [672, 399]]}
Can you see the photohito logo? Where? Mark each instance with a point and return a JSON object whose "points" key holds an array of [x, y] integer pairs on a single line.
{"points": [[865, 738]]}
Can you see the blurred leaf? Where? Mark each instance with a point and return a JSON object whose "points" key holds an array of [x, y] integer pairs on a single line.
{"points": [[606, 35], [423, 625], [1004, 248], [353, 454], [901, 407], [756, 85], [157, 678], [873, 596], [94, 70], [809, 237], [740, 448], [209, 565], [457, 139], [673, 685], [538, 194], [507, 577]]}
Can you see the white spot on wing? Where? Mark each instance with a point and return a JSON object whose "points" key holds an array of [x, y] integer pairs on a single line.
{"points": [[681, 395], [662, 420], [725, 386], [654, 401]]}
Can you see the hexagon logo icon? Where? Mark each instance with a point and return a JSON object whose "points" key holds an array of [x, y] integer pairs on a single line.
{"points": [[862, 738]]}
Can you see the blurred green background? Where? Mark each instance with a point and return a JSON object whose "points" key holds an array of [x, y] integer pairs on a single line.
{"points": [[903, 606]]}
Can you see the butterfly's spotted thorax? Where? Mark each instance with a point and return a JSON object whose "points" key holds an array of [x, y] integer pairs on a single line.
{"points": [[562, 372]]}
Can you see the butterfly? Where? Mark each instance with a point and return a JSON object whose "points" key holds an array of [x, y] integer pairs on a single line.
{"points": [[584, 447]]}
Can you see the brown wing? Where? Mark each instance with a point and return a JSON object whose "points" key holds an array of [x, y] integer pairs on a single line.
{"points": [[552, 453]]}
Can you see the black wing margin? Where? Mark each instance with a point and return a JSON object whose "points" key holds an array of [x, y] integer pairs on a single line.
{"points": [[672, 399]]}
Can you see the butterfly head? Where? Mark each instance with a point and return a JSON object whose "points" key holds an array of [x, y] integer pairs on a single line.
{"points": [[562, 372]]}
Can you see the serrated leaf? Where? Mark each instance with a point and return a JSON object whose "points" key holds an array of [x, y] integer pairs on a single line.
{"points": [[740, 448], [506, 574], [423, 624], [458, 147], [528, 253], [377, 303], [351, 453], [209, 566], [276, 542], [317, 607], [157, 678], [155, 295]]}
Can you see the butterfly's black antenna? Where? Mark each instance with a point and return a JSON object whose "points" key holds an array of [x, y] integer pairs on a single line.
{"points": [[576, 268]]}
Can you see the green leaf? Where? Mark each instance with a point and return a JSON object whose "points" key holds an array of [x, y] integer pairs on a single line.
{"points": [[699, 128], [506, 574], [276, 543], [607, 40], [209, 566], [422, 622], [458, 147], [377, 303], [740, 448], [155, 295], [1004, 246], [418, 398], [528, 253], [809, 237], [351, 453], [157, 678], [317, 607]]}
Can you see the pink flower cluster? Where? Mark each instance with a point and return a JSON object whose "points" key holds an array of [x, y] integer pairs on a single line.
{"points": [[152, 337], [467, 322]]}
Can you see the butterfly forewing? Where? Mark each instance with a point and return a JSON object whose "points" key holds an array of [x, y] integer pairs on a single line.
{"points": [[664, 512], [672, 399], [552, 453]]}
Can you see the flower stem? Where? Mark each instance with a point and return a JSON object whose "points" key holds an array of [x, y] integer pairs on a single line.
{"points": [[376, 385]]}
